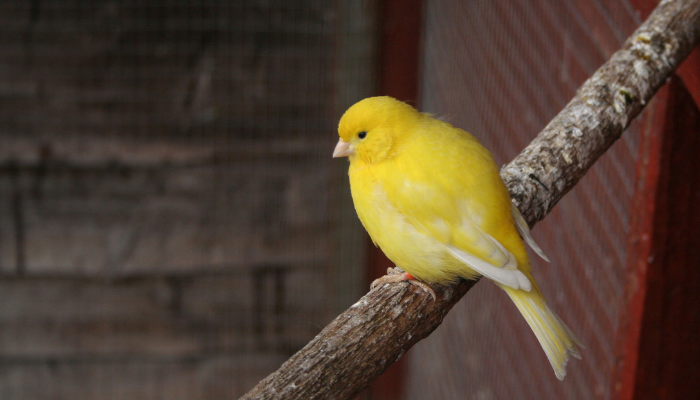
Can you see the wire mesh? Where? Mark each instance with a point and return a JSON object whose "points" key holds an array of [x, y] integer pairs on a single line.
{"points": [[164, 202], [164, 210], [501, 70]]}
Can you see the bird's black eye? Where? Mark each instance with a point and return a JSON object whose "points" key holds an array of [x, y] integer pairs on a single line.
{"points": [[362, 134]]}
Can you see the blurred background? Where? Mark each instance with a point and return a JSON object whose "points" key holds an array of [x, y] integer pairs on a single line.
{"points": [[172, 225]]}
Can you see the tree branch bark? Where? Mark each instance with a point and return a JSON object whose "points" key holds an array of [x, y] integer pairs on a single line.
{"points": [[363, 341]]}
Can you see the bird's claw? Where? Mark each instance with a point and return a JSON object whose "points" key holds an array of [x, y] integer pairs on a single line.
{"points": [[394, 276], [425, 287]]}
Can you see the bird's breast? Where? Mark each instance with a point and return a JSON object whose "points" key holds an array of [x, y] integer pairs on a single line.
{"points": [[403, 243]]}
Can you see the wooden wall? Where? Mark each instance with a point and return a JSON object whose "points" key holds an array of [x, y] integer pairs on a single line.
{"points": [[165, 194]]}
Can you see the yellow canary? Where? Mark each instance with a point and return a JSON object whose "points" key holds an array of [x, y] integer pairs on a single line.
{"points": [[431, 197]]}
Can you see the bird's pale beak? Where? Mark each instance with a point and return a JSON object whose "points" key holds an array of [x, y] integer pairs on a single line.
{"points": [[342, 149]]}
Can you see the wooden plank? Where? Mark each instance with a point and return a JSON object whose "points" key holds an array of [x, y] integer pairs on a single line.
{"points": [[185, 316], [8, 231], [222, 376], [116, 220]]}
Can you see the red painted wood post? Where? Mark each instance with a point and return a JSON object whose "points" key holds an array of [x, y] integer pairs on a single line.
{"points": [[655, 358], [689, 72], [398, 77], [658, 351]]}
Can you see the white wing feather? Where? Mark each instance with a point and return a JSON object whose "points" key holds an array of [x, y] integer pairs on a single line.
{"points": [[524, 231], [506, 273]]}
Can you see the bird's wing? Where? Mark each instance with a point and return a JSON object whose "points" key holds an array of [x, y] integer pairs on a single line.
{"points": [[524, 231], [431, 209], [486, 255]]}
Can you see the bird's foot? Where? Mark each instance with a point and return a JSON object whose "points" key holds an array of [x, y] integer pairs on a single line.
{"points": [[394, 276]]}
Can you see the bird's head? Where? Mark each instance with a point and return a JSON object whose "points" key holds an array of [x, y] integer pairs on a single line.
{"points": [[374, 129]]}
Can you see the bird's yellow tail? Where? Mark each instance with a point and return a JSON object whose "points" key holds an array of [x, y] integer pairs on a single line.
{"points": [[554, 336]]}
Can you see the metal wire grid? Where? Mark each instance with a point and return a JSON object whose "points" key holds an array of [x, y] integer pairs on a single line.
{"points": [[164, 190], [502, 70]]}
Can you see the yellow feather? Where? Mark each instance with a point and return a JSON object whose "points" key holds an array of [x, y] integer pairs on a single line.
{"points": [[430, 195]]}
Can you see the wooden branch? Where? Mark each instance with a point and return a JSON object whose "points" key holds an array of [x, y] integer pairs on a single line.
{"points": [[363, 341]]}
